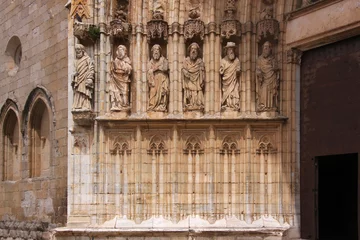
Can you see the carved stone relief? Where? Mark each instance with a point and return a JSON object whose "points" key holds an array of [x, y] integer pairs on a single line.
{"points": [[83, 80], [119, 26], [230, 70], [267, 80], [79, 9], [267, 28], [158, 79], [230, 26], [157, 28], [120, 70], [194, 27], [193, 78]]}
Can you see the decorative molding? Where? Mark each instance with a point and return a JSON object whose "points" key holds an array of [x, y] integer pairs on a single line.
{"points": [[193, 145], [84, 31], [83, 118], [266, 145], [229, 145], [79, 8], [121, 146], [309, 9], [157, 145]]}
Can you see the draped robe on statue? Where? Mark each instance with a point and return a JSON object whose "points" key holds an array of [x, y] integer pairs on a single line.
{"points": [[159, 84], [230, 83], [83, 83], [193, 79], [119, 85], [267, 83]]}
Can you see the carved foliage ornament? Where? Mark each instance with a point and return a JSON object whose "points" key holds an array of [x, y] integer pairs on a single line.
{"points": [[268, 27], [230, 26], [157, 29], [86, 32], [194, 27]]}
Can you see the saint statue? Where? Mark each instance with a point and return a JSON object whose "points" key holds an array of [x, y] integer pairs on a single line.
{"points": [[193, 79], [158, 78], [230, 73], [83, 80], [120, 70], [267, 84]]}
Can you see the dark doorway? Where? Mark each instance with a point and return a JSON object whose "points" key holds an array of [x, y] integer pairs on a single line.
{"points": [[337, 180]]}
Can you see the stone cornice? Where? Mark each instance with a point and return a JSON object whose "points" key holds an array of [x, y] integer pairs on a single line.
{"points": [[308, 9]]}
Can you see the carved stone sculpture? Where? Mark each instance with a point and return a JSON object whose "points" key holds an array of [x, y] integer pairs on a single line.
{"points": [[119, 26], [157, 28], [194, 26], [267, 84], [158, 78], [230, 26], [83, 80], [120, 70], [230, 73], [79, 9], [268, 28], [193, 78]]}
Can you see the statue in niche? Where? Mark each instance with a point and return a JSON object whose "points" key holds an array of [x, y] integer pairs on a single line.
{"points": [[158, 79], [268, 80], [230, 73], [120, 70], [83, 80], [267, 13], [193, 78]]}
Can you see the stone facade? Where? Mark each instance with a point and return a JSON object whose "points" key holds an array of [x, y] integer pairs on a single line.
{"points": [[199, 142], [33, 118]]}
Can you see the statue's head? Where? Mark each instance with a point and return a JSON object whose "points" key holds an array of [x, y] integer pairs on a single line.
{"points": [[230, 50], [121, 52], [79, 50], [266, 49], [194, 51], [156, 51]]}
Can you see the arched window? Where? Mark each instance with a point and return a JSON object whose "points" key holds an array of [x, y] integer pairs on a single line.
{"points": [[10, 144], [14, 54], [39, 140]]}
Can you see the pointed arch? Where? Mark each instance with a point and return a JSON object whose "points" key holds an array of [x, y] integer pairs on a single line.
{"points": [[10, 140], [37, 126]]}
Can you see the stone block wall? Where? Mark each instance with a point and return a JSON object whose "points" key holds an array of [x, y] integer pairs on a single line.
{"points": [[33, 119]]}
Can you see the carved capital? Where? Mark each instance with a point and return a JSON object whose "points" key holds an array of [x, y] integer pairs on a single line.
{"points": [[194, 27], [176, 28], [247, 27], [211, 28], [294, 56]]}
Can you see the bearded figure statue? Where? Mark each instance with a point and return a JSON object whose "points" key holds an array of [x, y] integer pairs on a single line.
{"points": [[193, 79], [230, 78], [158, 79]]}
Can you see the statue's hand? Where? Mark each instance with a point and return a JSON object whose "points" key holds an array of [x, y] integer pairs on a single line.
{"points": [[221, 70]]}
